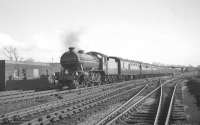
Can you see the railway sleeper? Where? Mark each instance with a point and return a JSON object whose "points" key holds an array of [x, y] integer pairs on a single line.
{"points": [[143, 117], [178, 105], [179, 117], [146, 111], [138, 115], [180, 109], [120, 122], [139, 121], [178, 113]]}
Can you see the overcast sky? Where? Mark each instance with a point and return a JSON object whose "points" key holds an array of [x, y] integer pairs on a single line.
{"points": [[166, 31]]}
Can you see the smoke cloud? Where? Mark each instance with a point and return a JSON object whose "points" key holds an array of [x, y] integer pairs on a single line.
{"points": [[72, 39]]}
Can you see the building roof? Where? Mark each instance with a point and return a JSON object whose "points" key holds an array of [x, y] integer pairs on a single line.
{"points": [[28, 63]]}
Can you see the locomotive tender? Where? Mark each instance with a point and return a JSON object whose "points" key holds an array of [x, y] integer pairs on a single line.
{"points": [[81, 69]]}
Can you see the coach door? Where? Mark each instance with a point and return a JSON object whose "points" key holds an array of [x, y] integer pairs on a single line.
{"points": [[104, 65], [2, 75]]}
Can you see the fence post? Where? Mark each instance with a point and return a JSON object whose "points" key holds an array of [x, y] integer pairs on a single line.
{"points": [[2, 75]]}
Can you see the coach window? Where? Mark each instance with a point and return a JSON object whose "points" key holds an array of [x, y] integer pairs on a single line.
{"points": [[36, 73], [16, 74], [47, 72], [24, 77], [131, 66]]}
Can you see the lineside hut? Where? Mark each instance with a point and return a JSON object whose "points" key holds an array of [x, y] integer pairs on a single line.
{"points": [[28, 75]]}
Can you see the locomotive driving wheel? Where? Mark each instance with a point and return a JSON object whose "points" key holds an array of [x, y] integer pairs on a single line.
{"points": [[95, 78]]}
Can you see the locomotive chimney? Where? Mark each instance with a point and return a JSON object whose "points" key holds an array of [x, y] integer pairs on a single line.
{"points": [[71, 49], [81, 51]]}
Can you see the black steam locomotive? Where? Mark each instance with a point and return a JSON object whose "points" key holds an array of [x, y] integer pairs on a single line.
{"points": [[81, 69]]}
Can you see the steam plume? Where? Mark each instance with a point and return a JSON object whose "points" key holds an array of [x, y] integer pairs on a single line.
{"points": [[72, 39]]}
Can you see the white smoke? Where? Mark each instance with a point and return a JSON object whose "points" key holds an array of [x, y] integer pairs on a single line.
{"points": [[71, 39]]}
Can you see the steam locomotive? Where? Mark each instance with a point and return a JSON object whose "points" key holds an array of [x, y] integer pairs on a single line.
{"points": [[81, 69]]}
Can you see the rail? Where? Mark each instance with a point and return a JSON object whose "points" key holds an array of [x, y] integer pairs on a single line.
{"points": [[159, 106], [170, 107], [122, 110], [14, 92]]}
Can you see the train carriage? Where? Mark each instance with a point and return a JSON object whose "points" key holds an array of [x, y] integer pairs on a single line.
{"points": [[127, 69], [113, 69], [130, 69]]}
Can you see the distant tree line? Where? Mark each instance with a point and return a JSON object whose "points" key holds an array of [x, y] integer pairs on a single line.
{"points": [[11, 53]]}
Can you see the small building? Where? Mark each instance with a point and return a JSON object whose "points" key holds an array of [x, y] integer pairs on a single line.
{"points": [[17, 75]]}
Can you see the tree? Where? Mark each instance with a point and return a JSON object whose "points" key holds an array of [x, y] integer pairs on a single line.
{"points": [[11, 53]]}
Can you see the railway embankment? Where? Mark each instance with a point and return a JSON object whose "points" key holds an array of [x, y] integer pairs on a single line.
{"points": [[191, 99]]}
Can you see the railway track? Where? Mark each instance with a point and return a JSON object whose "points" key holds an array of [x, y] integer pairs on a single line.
{"points": [[16, 96], [15, 92], [166, 98], [73, 119], [6, 108], [31, 95], [153, 107], [25, 96], [50, 110], [18, 117], [176, 114]]}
